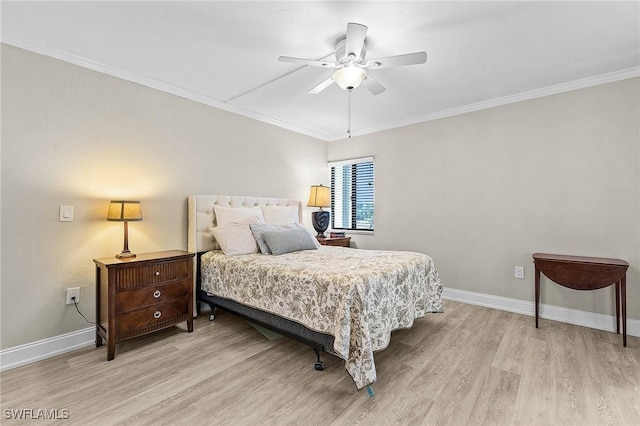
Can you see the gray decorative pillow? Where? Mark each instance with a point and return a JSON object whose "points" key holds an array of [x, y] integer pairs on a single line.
{"points": [[287, 241], [257, 229]]}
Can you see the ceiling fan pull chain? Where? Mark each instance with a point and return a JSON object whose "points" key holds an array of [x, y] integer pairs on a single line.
{"points": [[349, 115]]}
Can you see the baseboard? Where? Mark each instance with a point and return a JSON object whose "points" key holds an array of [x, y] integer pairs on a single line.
{"points": [[46, 348], [555, 313]]}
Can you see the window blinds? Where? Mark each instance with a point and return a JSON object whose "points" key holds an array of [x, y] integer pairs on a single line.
{"points": [[352, 194]]}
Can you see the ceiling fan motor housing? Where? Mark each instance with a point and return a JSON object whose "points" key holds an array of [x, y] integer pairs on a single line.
{"points": [[342, 56]]}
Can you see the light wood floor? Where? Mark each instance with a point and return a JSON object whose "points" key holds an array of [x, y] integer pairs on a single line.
{"points": [[468, 366]]}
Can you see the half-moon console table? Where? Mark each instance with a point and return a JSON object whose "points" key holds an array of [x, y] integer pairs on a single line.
{"points": [[585, 273]]}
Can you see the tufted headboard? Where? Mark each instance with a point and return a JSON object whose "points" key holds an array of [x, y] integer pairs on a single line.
{"points": [[202, 216]]}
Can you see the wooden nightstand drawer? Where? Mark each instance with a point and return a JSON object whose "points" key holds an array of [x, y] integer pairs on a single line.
{"points": [[127, 278], [150, 295], [172, 312], [141, 295]]}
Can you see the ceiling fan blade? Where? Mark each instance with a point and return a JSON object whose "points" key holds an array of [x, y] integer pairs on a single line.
{"points": [[320, 87], [355, 39], [398, 60], [373, 85], [308, 62]]}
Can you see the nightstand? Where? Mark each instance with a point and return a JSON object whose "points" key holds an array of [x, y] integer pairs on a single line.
{"points": [[138, 296], [336, 241]]}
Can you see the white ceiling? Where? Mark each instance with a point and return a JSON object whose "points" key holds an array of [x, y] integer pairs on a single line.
{"points": [[224, 54]]}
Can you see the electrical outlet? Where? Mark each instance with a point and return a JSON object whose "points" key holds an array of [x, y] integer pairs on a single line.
{"points": [[73, 292], [519, 272]]}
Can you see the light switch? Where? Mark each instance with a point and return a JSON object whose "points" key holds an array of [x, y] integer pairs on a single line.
{"points": [[66, 213]]}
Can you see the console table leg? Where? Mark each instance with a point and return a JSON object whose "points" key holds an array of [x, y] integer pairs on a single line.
{"points": [[617, 307], [623, 296], [537, 294]]}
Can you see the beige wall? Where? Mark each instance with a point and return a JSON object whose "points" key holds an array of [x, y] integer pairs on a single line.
{"points": [[481, 192], [71, 136]]}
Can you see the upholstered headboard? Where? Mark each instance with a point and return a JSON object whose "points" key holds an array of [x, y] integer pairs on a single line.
{"points": [[202, 216]]}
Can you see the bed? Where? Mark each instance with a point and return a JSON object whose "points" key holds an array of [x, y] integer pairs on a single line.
{"points": [[338, 300]]}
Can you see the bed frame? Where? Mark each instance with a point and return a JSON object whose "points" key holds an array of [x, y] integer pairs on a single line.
{"points": [[200, 240]]}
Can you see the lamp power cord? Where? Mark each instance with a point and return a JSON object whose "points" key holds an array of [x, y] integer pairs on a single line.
{"points": [[73, 299]]}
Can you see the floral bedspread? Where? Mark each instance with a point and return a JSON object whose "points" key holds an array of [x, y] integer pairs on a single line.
{"points": [[357, 296]]}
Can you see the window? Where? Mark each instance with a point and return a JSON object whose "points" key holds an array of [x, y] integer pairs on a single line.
{"points": [[352, 194]]}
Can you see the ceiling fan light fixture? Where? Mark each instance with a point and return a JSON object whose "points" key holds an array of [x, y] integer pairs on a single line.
{"points": [[349, 77]]}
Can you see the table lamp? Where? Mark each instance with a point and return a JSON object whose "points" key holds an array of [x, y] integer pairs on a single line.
{"points": [[320, 196], [125, 211]]}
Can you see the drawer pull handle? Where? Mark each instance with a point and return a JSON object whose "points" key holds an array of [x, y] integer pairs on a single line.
{"points": [[157, 273], [157, 314], [156, 294]]}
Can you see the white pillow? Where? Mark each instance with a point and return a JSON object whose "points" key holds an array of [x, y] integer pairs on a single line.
{"points": [[236, 238], [226, 215], [280, 215]]}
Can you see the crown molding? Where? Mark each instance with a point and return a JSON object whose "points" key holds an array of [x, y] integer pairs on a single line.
{"points": [[505, 100], [63, 55], [44, 49]]}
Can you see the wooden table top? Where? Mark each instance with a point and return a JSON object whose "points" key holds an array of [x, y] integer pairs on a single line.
{"points": [[579, 259]]}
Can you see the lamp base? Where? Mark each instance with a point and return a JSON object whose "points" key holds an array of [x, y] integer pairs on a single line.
{"points": [[320, 221], [125, 255]]}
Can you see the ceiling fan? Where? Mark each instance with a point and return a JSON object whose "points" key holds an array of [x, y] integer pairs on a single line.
{"points": [[351, 65]]}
